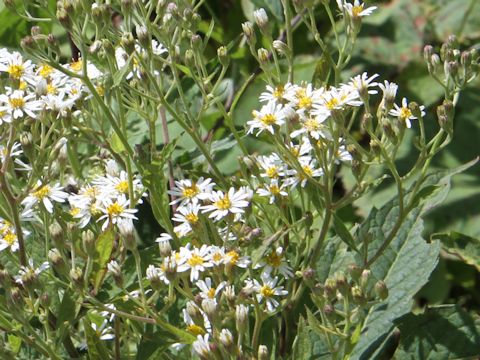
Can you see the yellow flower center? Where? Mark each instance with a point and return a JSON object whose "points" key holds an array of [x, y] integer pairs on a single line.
{"points": [[45, 71], [15, 71], [273, 259], [2, 113], [312, 124], [278, 92], [51, 89], [75, 211], [94, 210], [308, 170], [233, 257], [10, 238], [114, 209], [17, 103], [332, 103], [274, 189], [100, 90], [305, 102], [195, 330], [41, 193], [195, 260], [22, 85], [76, 65], [191, 218], [223, 204], [190, 191], [405, 113], [122, 187], [266, 291], [211, 293], [268, 119], [356, 10], [217, 257], [272, 172]]}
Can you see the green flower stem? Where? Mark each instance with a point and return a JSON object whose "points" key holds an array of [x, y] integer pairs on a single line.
{"points": [[287, 13], [138, 267]]}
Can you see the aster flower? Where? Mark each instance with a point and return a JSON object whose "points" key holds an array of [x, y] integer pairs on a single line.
{"points": [[196, 260], [15, 66], [8, 237], [272, 190], [404, 113], [207, 291], [268, 290], [270, 116], [275, 262], [357, 9], [103, 331], [116, 211], [202, 347], [222, 204], [29, 273], [362, 83], [188, 190], [276, 94], [45, 194], [233, 258], [17, 104], [188, 218]]}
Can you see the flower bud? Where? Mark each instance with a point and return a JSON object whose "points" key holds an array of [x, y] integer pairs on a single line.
{"points": [[451, 68], [357, 295], [88, 242], [16, 298], [357, 167], [226, 339], [27, 43], [375, 147], [143, 36], [210, 308], [170, 266], [5, 279], [435, 60], [45, 300], [127, 231], [35, 30], [164, 247], [381, 290], [57, 261], [26, 139], [196, 42], [249, 32], [281, 47], [365, 277], [56, 233], [342, 284], [64, 18], [128, 42], [222, 54], [153, 275], [76, 275], [329, 311], [263, 56], [261, 19], [427, 53], [229, 293], [241, 317], [330, 288], [415, 109], [262, 352], [355, 272]]}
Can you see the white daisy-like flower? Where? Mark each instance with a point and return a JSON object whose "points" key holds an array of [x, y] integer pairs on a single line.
{"points": [[276, 94], [8, 236], [304, 97], [268, 290], [192, 326], [273, 190], [357, 9], [103, 331], [113, 186], [17, 104], [187, 216], [223, 204], [270, 116], [207, 291], [233, 258], [275, 262], [77, 67], [314, 126], [362, 83], [116, 211], [272, 166], [196, 260], [343, 154], [187, 190], [389, 90], [309, 170], [26, 273], [404, 113], [16, 67], [45, 194]]}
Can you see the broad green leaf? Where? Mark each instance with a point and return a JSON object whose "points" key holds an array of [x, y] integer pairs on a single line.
{"points": [[343, 232], [406, 263], [302, 346], [465, 248], [14, 342], [67, 310], [116, 143], [444, 332], [103, 250]]}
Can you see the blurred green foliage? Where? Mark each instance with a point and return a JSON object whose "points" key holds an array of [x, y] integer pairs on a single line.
{"points": [[390, 44]]}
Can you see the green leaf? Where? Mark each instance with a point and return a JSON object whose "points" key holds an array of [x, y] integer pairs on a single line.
{"points": [[103, 250], [95, 347], [116, 143], [67, 309], [465, 248], [121, 74], [445, 332], [302, 346], [153, 345], [343, 232], [14, 342]]}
